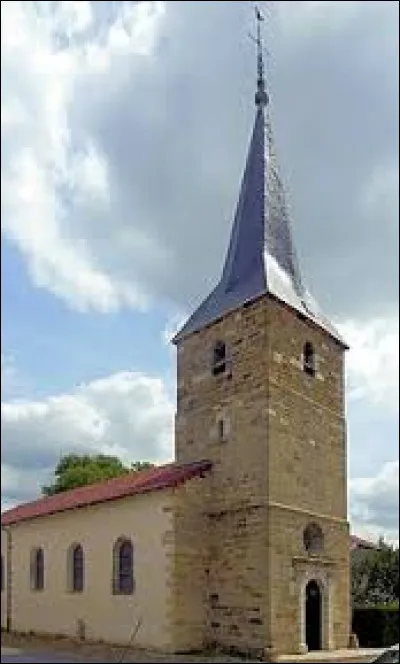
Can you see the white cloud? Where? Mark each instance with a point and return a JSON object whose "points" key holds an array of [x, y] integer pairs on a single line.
{"points": [[307, 16], [123, 139], [74, 16], [47, 172], [374, 504], [373, 361], [127, 414]]}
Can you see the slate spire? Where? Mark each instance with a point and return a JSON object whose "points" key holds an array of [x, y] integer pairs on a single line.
{"points": [[261, 256]]}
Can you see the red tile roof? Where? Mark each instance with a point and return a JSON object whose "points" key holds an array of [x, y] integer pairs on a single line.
{"points": [[161, 477], [359, 543]]}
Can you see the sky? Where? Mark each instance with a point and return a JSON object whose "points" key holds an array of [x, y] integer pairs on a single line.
{"points": [[124, 134]]}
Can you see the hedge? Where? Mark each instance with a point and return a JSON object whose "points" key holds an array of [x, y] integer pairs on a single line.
{"points": [[376, 626]]}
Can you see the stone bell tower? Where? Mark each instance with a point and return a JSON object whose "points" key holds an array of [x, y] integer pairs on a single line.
{"points": [[261, 395]]}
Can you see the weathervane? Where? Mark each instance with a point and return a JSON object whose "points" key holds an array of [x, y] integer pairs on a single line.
{"points": [[261, 97]]}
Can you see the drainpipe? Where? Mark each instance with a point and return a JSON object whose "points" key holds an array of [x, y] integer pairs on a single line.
{"points": [[8, 580]]}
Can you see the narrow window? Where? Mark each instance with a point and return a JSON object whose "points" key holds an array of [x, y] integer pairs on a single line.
{"points": [[221, 430], [2, 573], [309, 359], [123, 567], [219, 358], [77, 568], [37, 569]]}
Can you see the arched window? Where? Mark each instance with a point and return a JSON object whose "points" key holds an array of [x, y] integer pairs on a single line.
{"points": [[313, 538], [219, 358], [309, 359], [76, 568], [123, 578], [37, 569]]}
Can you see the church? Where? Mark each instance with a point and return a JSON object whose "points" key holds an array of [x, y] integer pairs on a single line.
{"points": [[242, 543]]}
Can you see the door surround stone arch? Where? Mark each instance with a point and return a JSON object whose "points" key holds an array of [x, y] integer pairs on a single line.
{"points": [[324, 580]]}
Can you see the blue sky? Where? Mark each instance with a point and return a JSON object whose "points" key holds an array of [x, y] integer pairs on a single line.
{"points": [[54, 348], [124, 134]]}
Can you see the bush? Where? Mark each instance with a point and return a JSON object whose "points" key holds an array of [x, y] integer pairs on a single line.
{"points": [[376, 626]]}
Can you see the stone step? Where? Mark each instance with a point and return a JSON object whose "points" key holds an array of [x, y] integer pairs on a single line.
{"points": [[354, 656]]}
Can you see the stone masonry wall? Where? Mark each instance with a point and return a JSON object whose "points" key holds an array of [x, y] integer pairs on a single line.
{"points": [[280, 464], [237, 578], [306, 427], [188, 551], [237, 397], [306, 477], [290, 567]]}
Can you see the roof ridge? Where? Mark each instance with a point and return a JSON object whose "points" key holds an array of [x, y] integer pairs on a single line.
{"points": [[131, 483]]}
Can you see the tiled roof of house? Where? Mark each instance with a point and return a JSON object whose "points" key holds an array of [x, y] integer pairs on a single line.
{"points": [[359, 543], [161, 477]]}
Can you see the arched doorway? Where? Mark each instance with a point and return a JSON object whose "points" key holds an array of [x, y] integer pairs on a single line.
{"points": [[313, 616]]}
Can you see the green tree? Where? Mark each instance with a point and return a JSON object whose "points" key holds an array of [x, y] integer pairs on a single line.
{"points": [[75, 470], [375, 576]]}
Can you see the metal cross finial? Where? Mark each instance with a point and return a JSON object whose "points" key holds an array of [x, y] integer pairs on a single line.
{"points": [[261, 97]]}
